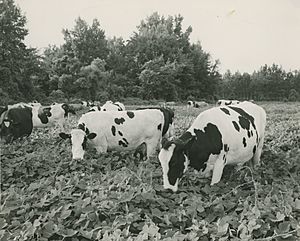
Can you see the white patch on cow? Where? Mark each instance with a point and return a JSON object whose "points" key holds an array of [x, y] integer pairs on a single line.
{"points": [[77, 138], [164, 157], [6, 123], [57, 116]]}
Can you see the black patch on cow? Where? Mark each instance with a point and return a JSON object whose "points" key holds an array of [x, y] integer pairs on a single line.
{"points": [[226, 148], [236, 126], [224, 159], [84, 143], [130, 114], [228, 103], [207, 142], [176, 164], [159, 127], [46, 112], [120, 133], [91, 110], [124, 139], [104, 109], [119, 107], [123, 143], [225, 111], [20, 120], [244, 142], [254, 149], [113, 130], [82, 126], [249, 134], [119, 121], [244, 119], [168, 119]]}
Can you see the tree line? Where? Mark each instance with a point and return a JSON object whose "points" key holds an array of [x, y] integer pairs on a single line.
{"points": [[158, 61]]}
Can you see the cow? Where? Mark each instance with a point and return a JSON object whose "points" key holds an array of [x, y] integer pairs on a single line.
{"points": [[196, 104], [217, 137], [117, 130], [95, 108], [34, 103], [168, 127], [16, 122], [112, 106], [227, 102], [50, 115]]}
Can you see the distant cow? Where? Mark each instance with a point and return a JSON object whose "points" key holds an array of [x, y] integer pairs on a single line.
{"points": [[117, 130], [227, 102], [15, 122], [50, 115], [112, 106], [95, 108], [218, 136], [197, 104]]}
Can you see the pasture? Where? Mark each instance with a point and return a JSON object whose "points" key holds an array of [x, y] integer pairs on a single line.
{"points": [[114, 196]]}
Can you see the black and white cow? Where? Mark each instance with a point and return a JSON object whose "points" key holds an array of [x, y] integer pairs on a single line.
{"points": [[218, 136], [95, 108], [51, 115], [117, 130], [227, 102], [168, 126], [196, 104], [18, 120], [15, 122], [112, 106]]}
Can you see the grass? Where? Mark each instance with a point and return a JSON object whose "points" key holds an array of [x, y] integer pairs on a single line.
{"points": [[114, 196]]}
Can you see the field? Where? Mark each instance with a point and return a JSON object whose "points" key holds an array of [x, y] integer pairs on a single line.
{"points": [[113, 196]]}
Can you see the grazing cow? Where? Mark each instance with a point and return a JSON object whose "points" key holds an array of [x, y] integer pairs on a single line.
{"points": [[50, 115], [34, 103], [218, 136], [87, 103], [117, 130], [110, 106], [197, 104], [227, 102], [95, 108], [15, 122]]}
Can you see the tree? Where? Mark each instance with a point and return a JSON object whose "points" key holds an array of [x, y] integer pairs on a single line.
{"points": [[17, 62], [85, 42]]}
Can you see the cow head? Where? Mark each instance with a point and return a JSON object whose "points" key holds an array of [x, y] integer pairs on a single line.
{"points": [[174, 161], [79, 139], [6, 128]]}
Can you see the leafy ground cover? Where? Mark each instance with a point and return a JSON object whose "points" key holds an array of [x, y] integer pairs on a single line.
{"points": [[114, 196]]}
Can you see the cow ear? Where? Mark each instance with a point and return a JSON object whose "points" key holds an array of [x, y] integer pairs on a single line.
{"points": [[64, 135], [91, 135]]}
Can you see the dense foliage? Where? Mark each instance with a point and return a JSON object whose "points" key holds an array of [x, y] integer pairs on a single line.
{"points": [[113, 196], [158, 61], [268, 83]]}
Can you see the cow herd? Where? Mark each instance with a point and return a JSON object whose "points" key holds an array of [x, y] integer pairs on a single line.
{"points": [[230, 133]]}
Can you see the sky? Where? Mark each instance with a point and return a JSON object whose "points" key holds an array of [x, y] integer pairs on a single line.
{"points": [[242, 34]]}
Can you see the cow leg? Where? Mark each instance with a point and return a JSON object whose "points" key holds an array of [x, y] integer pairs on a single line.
{"points": [[257, 154], [218, 170], [151, 147]]}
